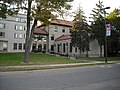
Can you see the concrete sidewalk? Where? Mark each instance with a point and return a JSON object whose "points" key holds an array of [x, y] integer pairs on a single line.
{"points": [[59, 65]]}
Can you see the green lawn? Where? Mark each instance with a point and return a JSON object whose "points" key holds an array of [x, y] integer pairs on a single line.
{"points": [[17, 58]]}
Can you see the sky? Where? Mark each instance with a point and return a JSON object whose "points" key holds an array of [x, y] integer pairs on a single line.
{"points": [[88, 5]]}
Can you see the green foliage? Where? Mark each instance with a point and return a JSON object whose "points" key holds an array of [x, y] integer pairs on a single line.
{"points": [[98, 25], [80, 32], [9, 7], [114, 39]]}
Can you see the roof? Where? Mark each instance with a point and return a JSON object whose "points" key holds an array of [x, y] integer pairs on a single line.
{"points": [[63, 37], [40, 30], [62, 22], [59, 22]]}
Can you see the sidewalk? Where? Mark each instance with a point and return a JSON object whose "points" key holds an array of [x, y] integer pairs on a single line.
{"points": [[52, 66]]}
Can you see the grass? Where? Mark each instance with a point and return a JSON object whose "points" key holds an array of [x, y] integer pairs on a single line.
{"points": [[16, 59]]}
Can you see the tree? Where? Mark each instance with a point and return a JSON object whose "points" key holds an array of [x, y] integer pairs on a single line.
{"points": [[80, 32], [42, 10], [9, 7], [98, 25], [114, 39]]}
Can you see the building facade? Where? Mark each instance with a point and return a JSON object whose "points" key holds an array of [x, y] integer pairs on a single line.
{"points": [[58, 40], [13, 33]]}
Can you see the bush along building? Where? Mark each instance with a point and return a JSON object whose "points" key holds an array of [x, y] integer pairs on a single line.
{"points": [[13, 33], [56, 38]]}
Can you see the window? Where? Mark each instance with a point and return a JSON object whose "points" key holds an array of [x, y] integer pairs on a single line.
{"points": [[63, 47], [20, 36], [34, 46], [2, 26], [21, 28], [70, 47], [58, 47], [2, 34], [17, 19], [23, 20], [24, 46], [63, 30], [52, 47], [20, 46], [70, 30], [25, 27], [15, 46], [16, 27], [56, 29], [24, 36], [44, 46], [15, 35], [52, 37]]}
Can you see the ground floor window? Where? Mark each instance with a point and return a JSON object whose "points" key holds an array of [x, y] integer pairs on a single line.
{"points": [[34, 46], [58, 48], [70, 47], [63, 47], [20, 46], [52, 47], [15, 46]]}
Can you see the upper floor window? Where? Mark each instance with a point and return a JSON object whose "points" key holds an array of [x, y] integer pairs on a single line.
{"points": [[15, 35], [19, 27], [25, 27], [17, 19], [52, 37], [70, 30], [2, 34], [63, 30], [2, 26], [56, 29], [20, 36], [16, 27], [20, 19], [23, 20]]}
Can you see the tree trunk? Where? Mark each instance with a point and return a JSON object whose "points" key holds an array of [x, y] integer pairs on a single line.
{"points": [[31, 35], [26, 54]]}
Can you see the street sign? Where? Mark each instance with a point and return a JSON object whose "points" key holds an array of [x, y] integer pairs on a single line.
{"points": [[108, 30]]}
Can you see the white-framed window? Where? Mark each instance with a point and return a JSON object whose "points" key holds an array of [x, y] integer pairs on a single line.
{"points": [[20, 36], [55, 29], [15, 46], [24, 36], [20, 46], [2, 25], [25, 28], [21, 28], [15, 35], [23, 20], [17, 19], [16, 27]]}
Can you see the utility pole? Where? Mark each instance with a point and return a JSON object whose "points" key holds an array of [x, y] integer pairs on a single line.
{"points": [[105, 35]]}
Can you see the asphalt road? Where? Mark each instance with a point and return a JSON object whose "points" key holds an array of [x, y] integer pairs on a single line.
{"points": [[104, 77]]}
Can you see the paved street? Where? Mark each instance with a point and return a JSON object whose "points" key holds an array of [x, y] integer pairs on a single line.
{"points": [[102, 77]]}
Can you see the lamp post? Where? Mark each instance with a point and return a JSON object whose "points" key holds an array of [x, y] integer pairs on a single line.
{"points": [[105, 34]]}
